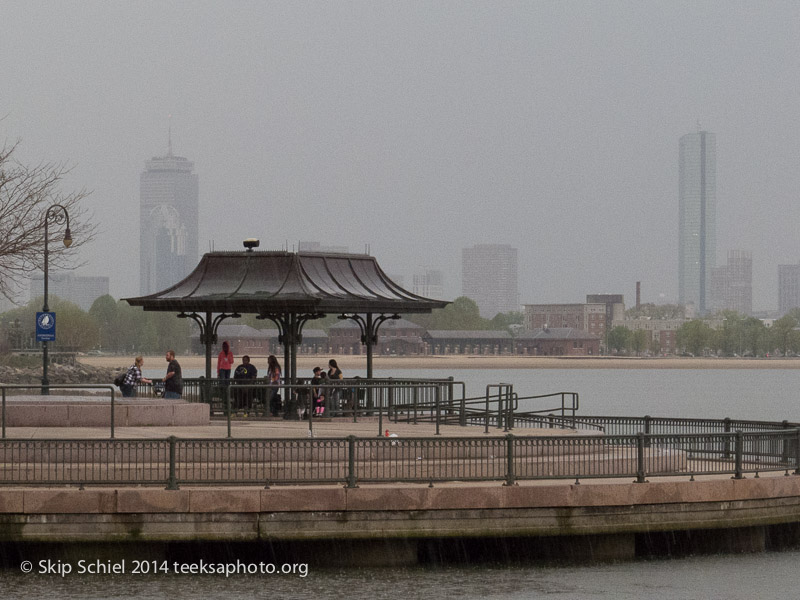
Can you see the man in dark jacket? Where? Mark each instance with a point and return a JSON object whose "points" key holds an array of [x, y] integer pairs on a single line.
{"points": [[246, 374]]}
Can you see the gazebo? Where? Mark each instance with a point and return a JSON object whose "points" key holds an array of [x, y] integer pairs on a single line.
{"points": [[288, 289]]}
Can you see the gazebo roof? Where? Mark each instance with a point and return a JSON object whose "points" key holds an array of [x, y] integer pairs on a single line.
{"points": [[287, 282]]}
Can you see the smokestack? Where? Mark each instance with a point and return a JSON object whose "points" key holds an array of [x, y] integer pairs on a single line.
{"points": [[638, 295]]}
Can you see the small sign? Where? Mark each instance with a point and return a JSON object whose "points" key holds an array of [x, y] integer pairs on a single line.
{"points": [[45, 327]]}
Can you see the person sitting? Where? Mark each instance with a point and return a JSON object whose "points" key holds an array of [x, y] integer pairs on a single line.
{"points": [[244, 374], [317, 392]]}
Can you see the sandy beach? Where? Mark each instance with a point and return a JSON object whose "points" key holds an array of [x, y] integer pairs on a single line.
{"points": [[476, 362]]}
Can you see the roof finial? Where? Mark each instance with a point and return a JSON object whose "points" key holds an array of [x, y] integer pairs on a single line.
{"points": [[169, 137]]}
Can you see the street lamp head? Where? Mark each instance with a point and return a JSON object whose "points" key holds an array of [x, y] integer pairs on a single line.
{"points": [[67, 238]]}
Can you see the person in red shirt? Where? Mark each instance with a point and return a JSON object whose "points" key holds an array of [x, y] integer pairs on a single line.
{"points": [[225, 362]]}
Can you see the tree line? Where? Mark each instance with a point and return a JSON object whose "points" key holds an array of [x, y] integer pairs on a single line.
{"points": [[110, 326], [735, 335], [116, 327]]}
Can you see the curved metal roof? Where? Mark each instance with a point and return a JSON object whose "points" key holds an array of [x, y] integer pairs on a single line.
{"points": [[274, 282]]}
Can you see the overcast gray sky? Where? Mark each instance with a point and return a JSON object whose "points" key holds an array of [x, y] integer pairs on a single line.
{"points": [[420, 128]]}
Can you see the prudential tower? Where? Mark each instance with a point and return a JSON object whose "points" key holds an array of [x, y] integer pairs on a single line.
{"points": [[168, 247], [697, 244]]}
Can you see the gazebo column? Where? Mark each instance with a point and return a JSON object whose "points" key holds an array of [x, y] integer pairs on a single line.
{"points": [[290, 327], [369, 332]]}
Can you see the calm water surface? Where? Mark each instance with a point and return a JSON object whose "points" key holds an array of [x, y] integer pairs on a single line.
{"points": [[736, 577], [770, 394]]}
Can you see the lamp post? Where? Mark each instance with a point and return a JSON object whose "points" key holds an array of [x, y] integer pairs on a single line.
{"points": [[45, 307]]}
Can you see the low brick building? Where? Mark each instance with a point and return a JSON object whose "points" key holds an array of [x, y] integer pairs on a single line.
{"points": [[468, 342], [395, 336], [558, 341]]}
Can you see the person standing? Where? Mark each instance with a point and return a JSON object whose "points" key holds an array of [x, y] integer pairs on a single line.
{"points": [[225, 362], [173, 382], [274, 377], [334, 374], [132, 377]]}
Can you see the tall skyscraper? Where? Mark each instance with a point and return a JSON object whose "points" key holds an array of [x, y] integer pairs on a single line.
{"points": [[489, 277], [732, 284], [168, 247], [697, 244], [788, 288], [429, 284], [79, 289]]}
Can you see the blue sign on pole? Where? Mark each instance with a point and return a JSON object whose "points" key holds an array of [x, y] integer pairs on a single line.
{"points": [[45, 327]]}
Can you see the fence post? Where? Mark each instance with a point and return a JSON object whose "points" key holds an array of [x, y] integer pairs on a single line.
{"points": [[437, 399], [4, 413], [172, 484], [647, 428], [228, 407], [351, 462], [510, 475], [727, 445], [113, 394], [786, 443], [739, 449], [797, 452], [640, 472], [390, 413]]}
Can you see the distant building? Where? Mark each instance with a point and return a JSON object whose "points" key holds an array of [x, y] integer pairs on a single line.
{"points": [[78, 289], [614, 303], [732, 284], [591, 317], [168, 221], [697, 207], [558, 341], [396, 336], [429, 284], [489, 277], [468, 342], [788, 288]]}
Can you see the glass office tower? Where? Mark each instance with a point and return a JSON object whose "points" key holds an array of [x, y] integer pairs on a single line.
{"points": [[697, 221]]}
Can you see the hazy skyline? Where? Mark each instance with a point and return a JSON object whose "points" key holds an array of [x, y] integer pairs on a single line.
{"points": [[421, 128]]}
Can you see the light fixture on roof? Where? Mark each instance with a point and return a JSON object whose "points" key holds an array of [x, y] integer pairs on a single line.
{"points": [[251, 243]]}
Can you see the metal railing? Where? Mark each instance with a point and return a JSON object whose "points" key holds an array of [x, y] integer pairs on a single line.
{"points": [[351, 460]]}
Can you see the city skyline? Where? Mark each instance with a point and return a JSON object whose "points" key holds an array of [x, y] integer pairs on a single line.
{"points": [[417, 129]]}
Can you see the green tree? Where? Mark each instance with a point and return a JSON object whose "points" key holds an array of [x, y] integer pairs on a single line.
{"points": [[780, 334], [502, 321], [105, 313], [657, 311], [694, 337], [638, 341], [619, 338], [462, 314]]}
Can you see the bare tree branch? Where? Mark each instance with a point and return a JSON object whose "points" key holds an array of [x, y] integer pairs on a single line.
{"points": [[25, 195]]}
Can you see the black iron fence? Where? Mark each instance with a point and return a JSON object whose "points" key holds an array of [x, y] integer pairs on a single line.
{"points": [[350, 461]]}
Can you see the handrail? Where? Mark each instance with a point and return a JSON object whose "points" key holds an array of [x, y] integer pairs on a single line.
{"points": [[174, 461]]}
